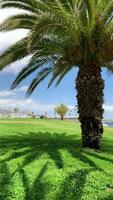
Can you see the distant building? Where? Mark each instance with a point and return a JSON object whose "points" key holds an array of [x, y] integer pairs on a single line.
{"points": [[16, 114]]}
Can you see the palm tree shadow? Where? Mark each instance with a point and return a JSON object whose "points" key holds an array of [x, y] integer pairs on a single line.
{"points": [[37, 190], [110, 197], [98, 156], [4, 181], [73, 186], [80, 155], [34, 145], [107, 145]]}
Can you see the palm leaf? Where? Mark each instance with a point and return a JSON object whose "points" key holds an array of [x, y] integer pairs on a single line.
{"points": [[40, 77], [14, 53], [18, 21], [62, 75], [63, 34], [30, 68], [18, 4]]}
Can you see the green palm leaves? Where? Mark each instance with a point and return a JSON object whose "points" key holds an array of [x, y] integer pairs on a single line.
{"points": [[61, 110], [62, 35]]}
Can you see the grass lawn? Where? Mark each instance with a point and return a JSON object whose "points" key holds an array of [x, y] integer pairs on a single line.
{"points": [[43, 160]]}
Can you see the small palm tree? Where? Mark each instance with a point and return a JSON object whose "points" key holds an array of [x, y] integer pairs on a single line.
{"points": [[61, 110], [66, 34], [16, 110]]}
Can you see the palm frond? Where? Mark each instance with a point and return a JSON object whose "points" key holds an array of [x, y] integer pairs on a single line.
{"points": [[55, 74], [63, 34], [62, 75], [26, 21], [40, 77], [109, 66], [18, 4], [34, 65], [108, 12], [60, 70], [14, 53], [45, 25]]}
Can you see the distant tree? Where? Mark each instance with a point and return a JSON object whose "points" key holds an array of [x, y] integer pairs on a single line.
{"points": [[16, 110], [43, 117], [61, 110]]}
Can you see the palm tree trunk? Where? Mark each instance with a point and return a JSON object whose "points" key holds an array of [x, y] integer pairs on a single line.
{"points": [[62, 118], [90, 85]]}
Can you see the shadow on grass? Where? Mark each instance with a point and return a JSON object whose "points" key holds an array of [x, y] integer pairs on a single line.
{"points": [[110, 197], [4, 181], [107, 145], [37, 190], [73, 186], [99, 156], [33, 146]]}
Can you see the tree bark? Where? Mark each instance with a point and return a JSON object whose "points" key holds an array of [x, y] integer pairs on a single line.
{"points": [[90, 85], [62, 118]]}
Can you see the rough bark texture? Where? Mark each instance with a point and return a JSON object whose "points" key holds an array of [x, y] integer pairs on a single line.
{"points": [[90, 87]]}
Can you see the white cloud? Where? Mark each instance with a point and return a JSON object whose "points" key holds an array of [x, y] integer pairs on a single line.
{"points": [[7, 12], [25, 104], [21, 89], [17, 66], [10, 93], [108, 108], [10, 99], [11, 37], [6, 93]]}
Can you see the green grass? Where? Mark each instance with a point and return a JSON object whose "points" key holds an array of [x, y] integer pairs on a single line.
{"points": [[43, 160]]}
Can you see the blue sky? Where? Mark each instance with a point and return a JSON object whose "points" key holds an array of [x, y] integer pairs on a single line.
{"points": [[42, 100]]}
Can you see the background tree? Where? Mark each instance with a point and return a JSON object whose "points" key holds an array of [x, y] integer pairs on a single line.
{"points": [[16, 110], [65, 34], [61, 110]]}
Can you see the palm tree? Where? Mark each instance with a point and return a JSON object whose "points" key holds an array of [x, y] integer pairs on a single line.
{"points": [[16, 110], [61, 110], [65, 34]]}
